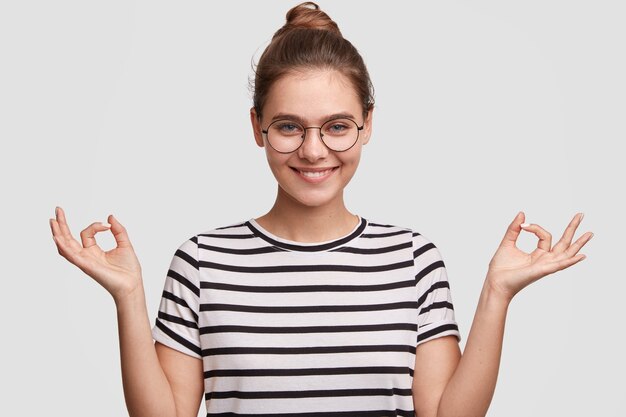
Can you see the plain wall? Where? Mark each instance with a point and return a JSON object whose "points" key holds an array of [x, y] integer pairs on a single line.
{"points": [[484, 108]]}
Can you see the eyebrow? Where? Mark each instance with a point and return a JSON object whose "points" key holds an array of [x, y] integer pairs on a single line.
{"points": [[300, 120]]}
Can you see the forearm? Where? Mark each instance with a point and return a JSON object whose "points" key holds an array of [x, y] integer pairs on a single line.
{"points": [[471, 387], [146, 389]]}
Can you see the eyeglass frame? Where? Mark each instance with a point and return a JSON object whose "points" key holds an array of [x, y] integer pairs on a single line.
{"points": [[303, 137]]}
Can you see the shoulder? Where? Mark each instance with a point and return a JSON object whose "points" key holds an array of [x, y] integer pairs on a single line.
{"points": [[189, 246], [238, 228], [230, 231], [424, 249], [376, 228]]}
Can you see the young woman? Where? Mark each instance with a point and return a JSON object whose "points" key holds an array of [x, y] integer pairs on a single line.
{"points": [[310, 309]]}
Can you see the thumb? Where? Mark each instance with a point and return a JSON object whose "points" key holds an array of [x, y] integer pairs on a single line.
{"points": [[513, 231], [119, 233]]}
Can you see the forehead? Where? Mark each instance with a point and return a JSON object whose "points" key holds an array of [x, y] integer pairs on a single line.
{"points": [[312, 94]]}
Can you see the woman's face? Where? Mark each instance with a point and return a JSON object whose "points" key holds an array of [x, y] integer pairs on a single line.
{"points": [[313, 96]]}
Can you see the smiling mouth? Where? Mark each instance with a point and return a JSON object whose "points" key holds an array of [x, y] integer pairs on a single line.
{"points": [[314, 174]]}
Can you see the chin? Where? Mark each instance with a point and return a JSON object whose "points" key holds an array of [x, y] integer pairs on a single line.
{"points": [[312, 198], [313, 204]]}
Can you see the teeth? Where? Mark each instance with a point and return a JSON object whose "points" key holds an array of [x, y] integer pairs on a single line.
{"points": [[315, 174]]}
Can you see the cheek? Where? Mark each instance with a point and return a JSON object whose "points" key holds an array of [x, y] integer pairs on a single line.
{"points": [[276, 161], [352, 157]]}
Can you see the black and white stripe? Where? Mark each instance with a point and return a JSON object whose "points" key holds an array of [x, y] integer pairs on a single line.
{"points": [[324, 329]]}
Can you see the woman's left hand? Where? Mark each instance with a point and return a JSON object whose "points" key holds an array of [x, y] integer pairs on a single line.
{"points": [[512, 269]]}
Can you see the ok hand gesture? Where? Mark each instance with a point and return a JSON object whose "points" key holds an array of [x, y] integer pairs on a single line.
{"points": [[512, 269], [117, 270]]}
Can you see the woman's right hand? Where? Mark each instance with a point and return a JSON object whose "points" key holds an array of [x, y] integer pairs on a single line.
{"points": [[117, 270]]}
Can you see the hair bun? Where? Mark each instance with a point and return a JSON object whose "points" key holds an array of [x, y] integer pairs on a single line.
{"points": [[308, 15]]}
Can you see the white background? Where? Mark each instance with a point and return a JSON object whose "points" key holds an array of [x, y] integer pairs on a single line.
{"points": [[484, 108]]}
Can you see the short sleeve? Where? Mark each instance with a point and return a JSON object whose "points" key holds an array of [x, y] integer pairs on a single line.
{"points": [[434, 299], [176, 324]]}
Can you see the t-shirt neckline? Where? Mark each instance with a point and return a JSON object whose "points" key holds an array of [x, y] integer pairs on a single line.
{"points": [[293, 245]]}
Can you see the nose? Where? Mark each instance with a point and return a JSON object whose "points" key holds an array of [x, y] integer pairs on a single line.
{"points": [[312, 148]]}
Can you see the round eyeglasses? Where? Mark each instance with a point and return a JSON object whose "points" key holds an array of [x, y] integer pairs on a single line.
{"points": [[286, 136]]}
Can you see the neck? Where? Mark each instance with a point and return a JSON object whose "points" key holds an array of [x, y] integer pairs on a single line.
{"points": [[292, 220]]}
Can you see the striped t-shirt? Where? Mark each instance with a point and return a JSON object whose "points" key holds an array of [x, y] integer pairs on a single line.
{"points": [[308, 329]]}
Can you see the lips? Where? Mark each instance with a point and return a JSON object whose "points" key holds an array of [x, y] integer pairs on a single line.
{"points": [[314, 174]]}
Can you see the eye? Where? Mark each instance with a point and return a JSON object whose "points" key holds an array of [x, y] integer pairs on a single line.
{"points": [[337, 127], [288, 128]]}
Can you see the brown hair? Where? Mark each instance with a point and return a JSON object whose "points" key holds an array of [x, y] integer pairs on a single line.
{"points": [[310, 40]]}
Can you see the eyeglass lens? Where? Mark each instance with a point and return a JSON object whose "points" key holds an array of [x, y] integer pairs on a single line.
{"points": [[287, 135]]}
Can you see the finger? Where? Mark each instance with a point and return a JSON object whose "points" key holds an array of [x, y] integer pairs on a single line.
{"points": [[513, 231], [568, 235], [54, 227], [119, 232], [545, 238], [562, 264], [64, 228], [56, 235], [580, 242], [61, 232], [67, 246], [59, 236], [87, 236]]}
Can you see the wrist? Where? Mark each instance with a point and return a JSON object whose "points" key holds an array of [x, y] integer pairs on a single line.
{"points": [[130, 295], [494, 295]]}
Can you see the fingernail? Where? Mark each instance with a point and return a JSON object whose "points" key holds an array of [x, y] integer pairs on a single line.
{"points": [[56, 210], [105, 224], [524, 225], [581, 216]]}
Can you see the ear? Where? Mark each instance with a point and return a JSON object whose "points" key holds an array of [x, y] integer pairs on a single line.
{"points": [[256, 127], [367, 126]]}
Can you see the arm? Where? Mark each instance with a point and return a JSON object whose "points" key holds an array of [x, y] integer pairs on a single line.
{"points": [[156, 381], [471, 387], [464, 386], [186, 377], [448, 384]]}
